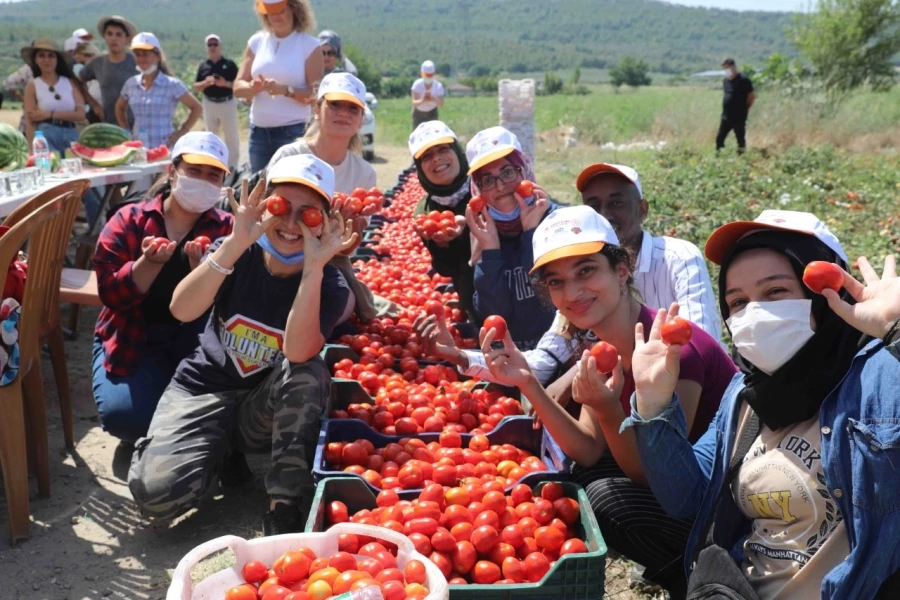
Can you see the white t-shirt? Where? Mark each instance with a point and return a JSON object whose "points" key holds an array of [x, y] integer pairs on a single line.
{"points": [[423, 85], [353, 173], [46, 100], [284, 60]]}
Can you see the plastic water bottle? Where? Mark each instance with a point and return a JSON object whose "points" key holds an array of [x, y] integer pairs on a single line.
{"points": [[142, 136], [370, 592], [40, 148]]}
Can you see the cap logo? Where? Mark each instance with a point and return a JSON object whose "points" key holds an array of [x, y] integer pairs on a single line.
{"points": [[576, 230]]}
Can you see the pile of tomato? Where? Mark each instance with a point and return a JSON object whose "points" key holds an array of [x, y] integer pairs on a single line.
{"points": [[411, 463]]}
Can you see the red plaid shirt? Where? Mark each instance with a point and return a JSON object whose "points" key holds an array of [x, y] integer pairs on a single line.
{"points": [[120, 325]]}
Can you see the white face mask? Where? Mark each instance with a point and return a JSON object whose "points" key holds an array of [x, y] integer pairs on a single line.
{"points": [[149, 70], [768, 334], [195, 195]]}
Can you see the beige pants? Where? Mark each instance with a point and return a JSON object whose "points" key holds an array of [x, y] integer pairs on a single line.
{"points": [[223, 115]]}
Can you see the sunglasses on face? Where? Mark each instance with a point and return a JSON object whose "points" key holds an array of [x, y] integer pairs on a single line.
{"points": [[328, 53], [212, 45]]}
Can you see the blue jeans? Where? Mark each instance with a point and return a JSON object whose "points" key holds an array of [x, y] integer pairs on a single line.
{"points": [[265, 142], [59, 139], [126, 403]]}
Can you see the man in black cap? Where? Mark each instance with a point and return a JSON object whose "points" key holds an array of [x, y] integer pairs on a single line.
{"points": [[215, 78], [736, 102]]}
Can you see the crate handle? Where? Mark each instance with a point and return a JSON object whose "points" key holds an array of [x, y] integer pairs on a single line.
{"points": [[182, 585], [553, 452]]}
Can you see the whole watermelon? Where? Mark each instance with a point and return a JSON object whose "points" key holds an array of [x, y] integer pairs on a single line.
{"points": [[13, 148], [103, 135]]}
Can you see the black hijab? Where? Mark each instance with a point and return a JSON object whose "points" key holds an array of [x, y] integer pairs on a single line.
{"points": [[794, 392], [453, 187]]}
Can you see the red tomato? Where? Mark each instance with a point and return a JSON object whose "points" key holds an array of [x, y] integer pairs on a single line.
{"points": [[485, 572], [277, 206], [160, 243], [567, 510], [311, 217], [542, 511], [337, 513], [245, 591], [347, 542], [443, 541], [293, 567], [255, 571], [477, 203], [464, 557], [677, 331], [204, 242], [819, 275], [525, 189], [276, 592], [354, 454], [498, 323], [484, 538], [552, 491], [573, 546], [512, 569], [606, 355], [433, 307], [414, 571], [359, 193], [342, 561], [535, 566], [520, 493], [549, 538]]}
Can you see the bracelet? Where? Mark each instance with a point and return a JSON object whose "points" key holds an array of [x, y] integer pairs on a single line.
{"points": [[217, 267], [892, 332]]}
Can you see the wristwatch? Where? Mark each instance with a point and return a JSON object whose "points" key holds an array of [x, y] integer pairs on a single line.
{"points": [[290, 91]]}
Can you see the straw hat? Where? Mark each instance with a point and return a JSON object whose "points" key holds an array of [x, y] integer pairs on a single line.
{"points": [[27, 52]]}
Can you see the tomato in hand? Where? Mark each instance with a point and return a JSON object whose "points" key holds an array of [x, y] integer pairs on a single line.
{"points": [[606, 355], [204, 242], [820, 275], [433, 307], [277, 206], [477, 203], [497, 323], [525, 189], [160, 243], [311, 217], [676, 331]]}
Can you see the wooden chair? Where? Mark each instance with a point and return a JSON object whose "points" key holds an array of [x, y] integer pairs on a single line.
{"points": [[54, 244], [13, 447]]}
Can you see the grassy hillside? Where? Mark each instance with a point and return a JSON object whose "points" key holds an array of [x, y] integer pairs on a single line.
{"points": [[504, 35]]}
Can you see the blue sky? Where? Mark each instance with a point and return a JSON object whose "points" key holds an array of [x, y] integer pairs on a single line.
{"points": [[773, 5]]}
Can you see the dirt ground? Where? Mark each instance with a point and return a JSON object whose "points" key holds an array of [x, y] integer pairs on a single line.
{"points": [[88, 540]]}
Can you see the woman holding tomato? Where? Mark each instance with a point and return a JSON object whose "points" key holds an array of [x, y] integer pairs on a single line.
{"points": [[443, 172], [143, 252], [580, 265], [502, 215], [256, 378], [797, 476]]}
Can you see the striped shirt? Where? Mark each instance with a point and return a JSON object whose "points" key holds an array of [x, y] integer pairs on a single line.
{"points": [[153, 108], [668, 270]]}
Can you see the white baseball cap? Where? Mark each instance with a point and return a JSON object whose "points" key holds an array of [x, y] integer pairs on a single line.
{"points": [[71, 43], [202, 148], [592, 171], [145, 41], [428, 67], [212, 36], [82, 34], [268, 7], [490, 144], [304, 169], [343, 86], [727, 235], [428, 135], [571, 231]]}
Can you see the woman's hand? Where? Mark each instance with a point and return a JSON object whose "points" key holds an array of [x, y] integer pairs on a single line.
{"points": [[174, 137], [37, 116], [436, 338], [337, 236], [249, 224], [507, 364], [483, 229], [655, 366], [359, 225], [274, 88], [877, 303], [600, 392], [194, 251], [531, 215], [258, 85], [159, 255], [443, 238]]}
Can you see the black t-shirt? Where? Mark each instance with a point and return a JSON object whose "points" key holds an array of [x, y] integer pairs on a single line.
{"points": [[156, 305], [734, 102], [244, 335], [224, 68]]}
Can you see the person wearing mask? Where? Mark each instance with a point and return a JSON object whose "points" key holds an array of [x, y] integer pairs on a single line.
{"points": [[333, 136], [79, 36], [215, 80], [580, 265], [153, 95], [257, 380], [427, 96], [737, 99], [137, 341], [113, 69], [332, 51], [271, 78], [442, 169], [793, 488], [501, 234]]}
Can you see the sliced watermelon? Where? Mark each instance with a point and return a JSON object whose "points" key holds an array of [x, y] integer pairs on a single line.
{"points": [[158, 153], [104, 157], [133, 144]]}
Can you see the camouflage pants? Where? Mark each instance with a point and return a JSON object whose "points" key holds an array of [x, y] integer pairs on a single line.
{"points": [[176, 464]]}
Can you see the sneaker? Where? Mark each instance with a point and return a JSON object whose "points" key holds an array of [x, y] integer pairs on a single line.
{"points": [[235, 470], [642, 584], [286, 518]]}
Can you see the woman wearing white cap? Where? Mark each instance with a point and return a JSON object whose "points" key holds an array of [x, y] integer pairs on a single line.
{"points": [[443, 172], [501, 234], [794, 487], [153, 96], [580, 265], [256, 378], [143, 252], [281, 68], [427, 96]]}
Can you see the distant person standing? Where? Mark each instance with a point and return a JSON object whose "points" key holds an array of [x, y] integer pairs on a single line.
{"points": [[15, 84], [332, 52], [215, 78], [427, 96], [84, 53], [736, 102], [112, 70], [79, 36]]}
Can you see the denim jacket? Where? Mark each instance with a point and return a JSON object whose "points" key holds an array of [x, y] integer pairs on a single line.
{"points": [[860, 429]]}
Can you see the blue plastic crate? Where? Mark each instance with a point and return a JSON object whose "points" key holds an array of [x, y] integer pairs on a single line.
{"points": [[517, 431]]}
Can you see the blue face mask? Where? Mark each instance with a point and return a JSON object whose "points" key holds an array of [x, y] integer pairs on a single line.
{"points": [[508, 216], [288, 259]]}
